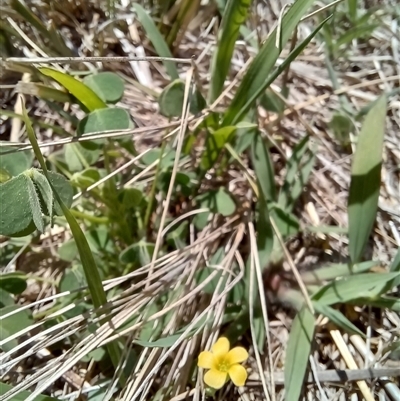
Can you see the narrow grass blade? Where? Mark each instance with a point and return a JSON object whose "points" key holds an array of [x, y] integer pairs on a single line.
{"points": [[154, 35], [338, 319], [366, 180], [297, 353], [263, 168], [258, 76], [51, 34], [395, 266], [265, 236], [384, 302], [88, 262], [82, 92], [235, 15], [23, 395], [364, 285]]}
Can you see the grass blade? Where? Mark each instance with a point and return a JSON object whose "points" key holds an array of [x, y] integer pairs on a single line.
{"points": [[154, 35], [337, 317], [395, 266], [258, 77], [88, 262], [82, 92], [235, 15], [366, 179], [263, 167], [297, 353], [364, 285], [23, 395]]}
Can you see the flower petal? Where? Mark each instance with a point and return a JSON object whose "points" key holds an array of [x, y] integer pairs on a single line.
{"points": [[206, 359], [238, 375], [215, 379], [237, 355], [221, 347]]}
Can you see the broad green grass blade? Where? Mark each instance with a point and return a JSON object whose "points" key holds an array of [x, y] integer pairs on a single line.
{"points": [[89, 265], [366, 179], [336, 270], [82, 92], [395, 266], [364, 285], [160, 45], [255, 81], [235, 15], [263, 168], [297, 353]]}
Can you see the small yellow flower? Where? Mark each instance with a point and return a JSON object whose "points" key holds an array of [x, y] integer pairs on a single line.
{"points": [[222, 363]]}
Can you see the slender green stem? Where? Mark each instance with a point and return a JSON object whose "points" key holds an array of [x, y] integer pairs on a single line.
{"points": [[89, 217]]}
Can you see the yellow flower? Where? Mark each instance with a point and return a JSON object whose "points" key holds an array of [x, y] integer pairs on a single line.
{"points": [[222, 363]]}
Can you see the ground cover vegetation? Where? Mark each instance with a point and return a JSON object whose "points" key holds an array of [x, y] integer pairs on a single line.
{"points": [[199, 200]]}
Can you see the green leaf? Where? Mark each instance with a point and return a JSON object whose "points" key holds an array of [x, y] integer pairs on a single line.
{"points": [[34, 203], [14, 163], [235, 14], [73, 279], [23, 395], [214, 144], [297, 353], [107, 85], [16, 215], [258, 76], [103, 120], [172, 97], [219, 201], [5, 298], [338, 319], [12, 325], [168, 157], [79, 157], [139, 253], [14, 282], [366, 179], [46, 194], [154, 35], [68, 251], [63, 189], [82, 92], [365, 285]]}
